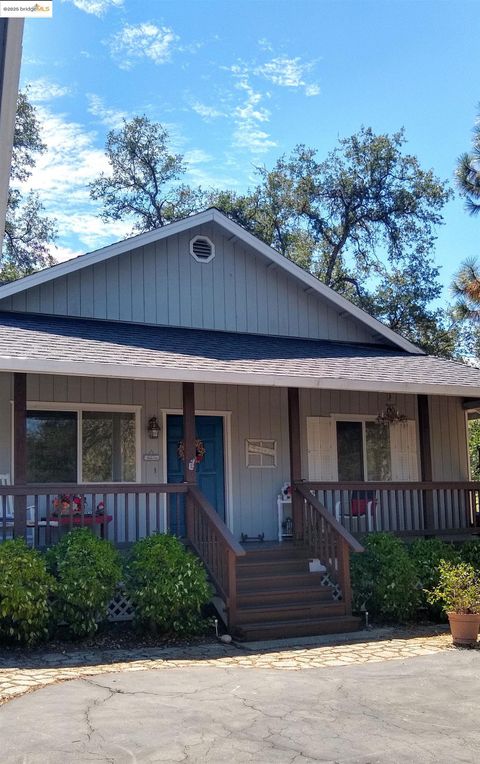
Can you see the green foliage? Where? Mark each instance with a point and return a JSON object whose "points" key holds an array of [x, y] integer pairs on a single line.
{"points": [[168, 585], [143, 182], [470, 553], [87, 570], [427, 555], [458, 588], [384, 579], [25, 587], [468, 173]]}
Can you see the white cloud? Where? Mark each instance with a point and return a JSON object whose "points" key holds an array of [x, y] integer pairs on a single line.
{"points": [[248, 117], [112, 118], [142, 41], [206, 112], [45, 90], [61, 177], [289, 72], [96, 7]]}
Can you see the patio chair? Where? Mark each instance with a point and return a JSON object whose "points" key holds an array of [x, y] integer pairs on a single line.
{"points": [[360, 504]]}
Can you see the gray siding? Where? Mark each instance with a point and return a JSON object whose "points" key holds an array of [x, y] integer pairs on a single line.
{"points": [[162, 284], [449, 438]]}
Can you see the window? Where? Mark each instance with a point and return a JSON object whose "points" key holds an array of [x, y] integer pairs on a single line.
{"points": [[363, 451], [84, 446]]}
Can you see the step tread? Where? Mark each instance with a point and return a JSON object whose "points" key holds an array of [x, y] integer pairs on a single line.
{"points": [[314, 587], [319, 620], [245, 609]]}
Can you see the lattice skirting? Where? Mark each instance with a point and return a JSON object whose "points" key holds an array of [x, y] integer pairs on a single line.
{"points": [[336, 590], [120, 607]]}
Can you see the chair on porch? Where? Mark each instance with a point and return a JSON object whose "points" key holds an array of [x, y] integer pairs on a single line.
{"points": [[359, 504], [7, 507]]}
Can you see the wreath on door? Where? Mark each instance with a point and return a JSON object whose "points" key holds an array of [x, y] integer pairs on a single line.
{"points": [[200, 450]]}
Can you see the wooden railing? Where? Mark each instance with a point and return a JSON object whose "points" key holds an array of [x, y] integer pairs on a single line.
{"points": [[407, 509], [216, 547], [327, 540], [122, 512]]}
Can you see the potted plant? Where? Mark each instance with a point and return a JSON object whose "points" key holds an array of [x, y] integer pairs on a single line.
{"points": [[458, 593]]}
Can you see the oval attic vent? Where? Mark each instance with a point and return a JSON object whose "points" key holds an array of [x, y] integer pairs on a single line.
{"points": [[202, 249]]}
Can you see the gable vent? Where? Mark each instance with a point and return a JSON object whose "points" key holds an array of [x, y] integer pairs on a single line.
{"points": [[202, 249]]}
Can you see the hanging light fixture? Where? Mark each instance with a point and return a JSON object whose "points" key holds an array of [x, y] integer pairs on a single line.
{"points": [[153, 428], [390, 414]]}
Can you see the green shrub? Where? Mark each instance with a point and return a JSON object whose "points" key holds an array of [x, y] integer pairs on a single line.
{"points": [[25, 587], [470, 552], [384, 579], [87, 570], [168, 585], [427, 555], [458, 589]]}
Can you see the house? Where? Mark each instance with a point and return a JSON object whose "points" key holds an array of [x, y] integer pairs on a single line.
{"points": [[179, 379]]}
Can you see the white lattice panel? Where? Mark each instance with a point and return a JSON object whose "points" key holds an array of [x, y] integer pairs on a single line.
{"points": [[120, 607]]}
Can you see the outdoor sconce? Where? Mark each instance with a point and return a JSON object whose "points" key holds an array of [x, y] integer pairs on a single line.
{"points": [[153, 428]]}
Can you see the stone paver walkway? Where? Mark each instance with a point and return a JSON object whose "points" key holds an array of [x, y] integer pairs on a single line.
{"points": [[19, 676]]}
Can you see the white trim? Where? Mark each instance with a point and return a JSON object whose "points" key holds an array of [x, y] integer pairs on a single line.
{"points": [[164, 374], [227, 456], [201, 218], [80, 408]]}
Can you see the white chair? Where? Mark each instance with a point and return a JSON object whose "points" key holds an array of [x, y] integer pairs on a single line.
{"points": [[8, 503], [358, 507]]}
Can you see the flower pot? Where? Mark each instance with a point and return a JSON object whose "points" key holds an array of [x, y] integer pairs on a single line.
{"points": [[464, 628]]}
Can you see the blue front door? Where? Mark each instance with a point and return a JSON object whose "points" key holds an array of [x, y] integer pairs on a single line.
{"points": [[210, 471]]}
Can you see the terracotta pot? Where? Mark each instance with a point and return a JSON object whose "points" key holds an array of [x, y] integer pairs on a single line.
{"points": [[464, 628]]}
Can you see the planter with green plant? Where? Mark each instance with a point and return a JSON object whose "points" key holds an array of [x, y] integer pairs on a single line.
{"points": [[458, 592]]}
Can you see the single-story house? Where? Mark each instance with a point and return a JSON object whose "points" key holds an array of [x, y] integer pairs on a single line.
{"points": [[193, 380]]}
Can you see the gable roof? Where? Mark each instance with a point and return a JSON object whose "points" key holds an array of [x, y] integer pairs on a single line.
{"points": [[87, 347], [236, 231]]}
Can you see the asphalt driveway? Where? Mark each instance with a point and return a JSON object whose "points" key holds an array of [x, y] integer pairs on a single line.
{"points": [[423, 709]]}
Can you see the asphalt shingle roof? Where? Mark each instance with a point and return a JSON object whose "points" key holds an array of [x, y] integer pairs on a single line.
{"points": [[78, 341]]}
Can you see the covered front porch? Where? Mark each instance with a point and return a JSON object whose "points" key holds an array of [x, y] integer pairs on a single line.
{"points": [[267, 442]]}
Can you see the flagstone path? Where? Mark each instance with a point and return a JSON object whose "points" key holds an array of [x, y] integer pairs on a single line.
{"points": [[21, 675]]}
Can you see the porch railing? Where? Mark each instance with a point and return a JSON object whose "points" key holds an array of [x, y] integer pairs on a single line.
{"points": [[122, 512], [327, 540], [216, 546], [408, 509]]}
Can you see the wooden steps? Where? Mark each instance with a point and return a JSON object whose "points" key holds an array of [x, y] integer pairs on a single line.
{"points": [[278, 597]]}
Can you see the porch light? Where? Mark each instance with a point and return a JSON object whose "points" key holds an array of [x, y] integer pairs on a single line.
{"points": [[390, 414], [153, 428]]}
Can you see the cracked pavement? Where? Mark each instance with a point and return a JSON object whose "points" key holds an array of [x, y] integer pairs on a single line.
{"points": [[416, 709], [402, 699]]}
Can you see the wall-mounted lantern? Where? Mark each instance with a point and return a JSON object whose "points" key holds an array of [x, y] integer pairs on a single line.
{"points": [[153, 428]]}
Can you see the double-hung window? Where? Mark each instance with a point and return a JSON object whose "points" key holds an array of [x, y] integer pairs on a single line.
{"points": [[363, 451], [85, 446]]}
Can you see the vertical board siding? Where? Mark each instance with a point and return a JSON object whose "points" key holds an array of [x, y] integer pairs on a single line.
{"points": [[448, 435], [161, 283]]}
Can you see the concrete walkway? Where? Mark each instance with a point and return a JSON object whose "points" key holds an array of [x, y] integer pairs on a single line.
{"points": [[386, 708], [18, 676]]}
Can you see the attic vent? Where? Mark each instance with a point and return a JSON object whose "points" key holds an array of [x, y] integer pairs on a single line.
{"points": [[202, 249]]}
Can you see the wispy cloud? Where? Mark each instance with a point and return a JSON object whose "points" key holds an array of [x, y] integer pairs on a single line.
{"points": [[46, 90], [112, 118], [136, 42], [61, 177], [207, 112], [290, 73], [95, 7], [249, 115]]}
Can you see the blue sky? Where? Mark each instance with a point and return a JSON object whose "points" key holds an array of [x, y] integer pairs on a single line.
{"points": [[239, 83]]}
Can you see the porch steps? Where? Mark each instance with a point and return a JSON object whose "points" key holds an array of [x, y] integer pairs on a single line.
{"points": [[278, 597]]}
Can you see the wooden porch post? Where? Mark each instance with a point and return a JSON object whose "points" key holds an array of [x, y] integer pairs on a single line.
{"points": [[295, 458], [189, 475], [20, 451], [426, 472]]}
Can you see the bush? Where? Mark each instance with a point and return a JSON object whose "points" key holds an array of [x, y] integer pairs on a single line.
{"points": [[87, 570], [458, 589], [427, 555], [168, 585], [470, 552], [384, 579], [25, 587]]}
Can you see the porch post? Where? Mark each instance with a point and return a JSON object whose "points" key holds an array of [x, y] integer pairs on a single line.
{"points": [[189, 475], [426, 472], [295, 458], [20, 451]]}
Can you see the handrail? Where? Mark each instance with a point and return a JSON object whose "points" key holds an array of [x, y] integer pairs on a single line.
{"points": [[49, 489], [227, 536], [352, 542], [434, 485]]}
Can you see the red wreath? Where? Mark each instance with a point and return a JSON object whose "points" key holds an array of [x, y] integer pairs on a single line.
{"points": [[200, 450]]}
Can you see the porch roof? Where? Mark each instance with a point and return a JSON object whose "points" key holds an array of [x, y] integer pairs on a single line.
{"points": [[74, 346]]}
